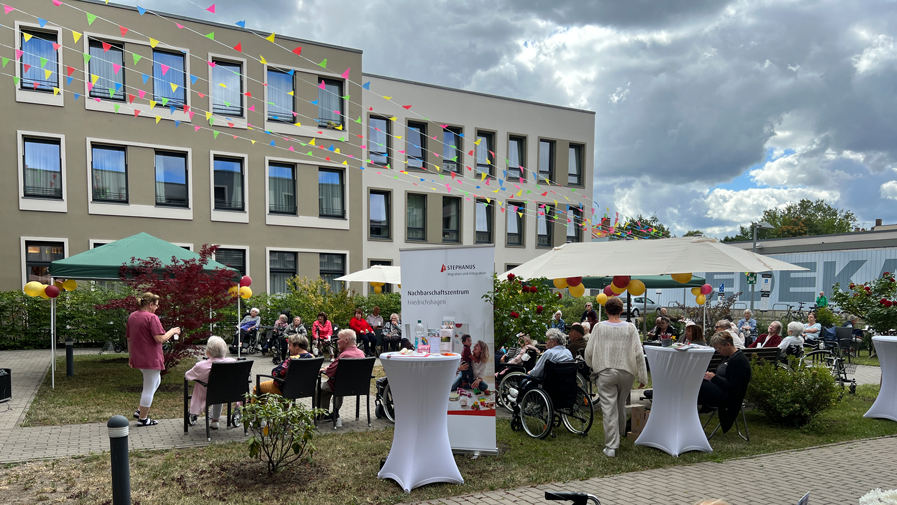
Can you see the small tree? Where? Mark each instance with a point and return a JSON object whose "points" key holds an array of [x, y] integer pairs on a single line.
{"points": [[875, 302], [307, 297], [192, 297], [281, 431], [520, 307], [722, 310]]}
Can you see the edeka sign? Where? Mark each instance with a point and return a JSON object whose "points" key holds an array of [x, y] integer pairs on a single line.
{"points": [[447, 286], [825, 269]]}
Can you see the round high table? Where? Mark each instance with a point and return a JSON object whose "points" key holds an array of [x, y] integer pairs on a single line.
{"points": [[421, 453], [673, 425], [885, 406]]}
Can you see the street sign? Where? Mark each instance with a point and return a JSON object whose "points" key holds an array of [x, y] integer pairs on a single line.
{"points": [[752, 278], [722, 289]]}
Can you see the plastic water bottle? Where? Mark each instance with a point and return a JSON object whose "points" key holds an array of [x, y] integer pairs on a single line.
{"points": [[419, 333]]}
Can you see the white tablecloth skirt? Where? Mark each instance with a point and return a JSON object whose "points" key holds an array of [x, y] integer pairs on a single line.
{"points": [[885, 406]]}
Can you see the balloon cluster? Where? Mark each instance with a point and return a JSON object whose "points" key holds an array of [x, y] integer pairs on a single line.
{"points": [[573, 284], [242, 290], [378, 287], [46, 292], [618, 286], [701, 293]]}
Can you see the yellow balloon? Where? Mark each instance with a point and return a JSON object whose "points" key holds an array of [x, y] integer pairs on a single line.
{"points": [[560, 283], [601, 298], [400, 286], [43, 292], [681, 278], [70, 285], [636, 287], [577, 291], [234, 291], [377, 284], [617, 290], [700, 299], [245, 292], [59, 285], [696, 290], [33, 288], [377, 289]]}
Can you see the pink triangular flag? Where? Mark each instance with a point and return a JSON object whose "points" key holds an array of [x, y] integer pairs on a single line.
{"points": [[180, 26], [191, 113], [346, 73], [19, 54], [57, 3], [291, 148], [211, 9], [89, 84], [26, 67], [201, 95], [196, 128], [56, 46], [321, 85], [8, 9], [115, 68], [164, 68], [252, 108], [141, 93], [212, 63]]}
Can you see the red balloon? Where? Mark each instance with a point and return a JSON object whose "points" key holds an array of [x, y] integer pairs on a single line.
{"points": [[609, 292], [52, 291], [574, 281], [245, 281], [621, 281], [706, 289]]}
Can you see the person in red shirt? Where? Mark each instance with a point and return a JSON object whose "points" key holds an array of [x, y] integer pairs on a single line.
{"points": [[771, 338], [347, 349], [363, 331], [145, 338]]}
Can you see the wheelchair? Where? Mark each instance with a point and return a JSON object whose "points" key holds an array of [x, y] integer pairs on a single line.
{"points": [[546, 404], [250, 341], [511, 379], [384, 405]]}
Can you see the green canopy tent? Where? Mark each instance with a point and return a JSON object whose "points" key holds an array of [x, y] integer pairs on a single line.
{"points": [[104, 263]]}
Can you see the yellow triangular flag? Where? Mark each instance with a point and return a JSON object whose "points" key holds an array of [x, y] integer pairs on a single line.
{"points": [[488, 200], [222, 85], [520, 192], [27, 36], [47, 74], [477, 142], [208, 115], [77, 35], [388, 97], [298, 124], [292, 93], [94, 79], [152, 104], [174, 87], [339, 127], [154, 43], [158, 118], [312, 142], [399, 137], [262, 59], [520, 214], [253, 142], [55, 91], [337, 150], [345, 163], [270, 38], [392, 118]]}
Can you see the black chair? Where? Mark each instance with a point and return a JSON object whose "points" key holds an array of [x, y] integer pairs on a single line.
{"points": [[746, 436], [228, 383], [302, 380], [353, 378]]}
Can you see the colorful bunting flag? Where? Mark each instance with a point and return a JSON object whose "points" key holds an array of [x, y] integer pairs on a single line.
{"points": [[90, 18], [211, 9], [239, 47], [323, 64], [136, 57], [270, 38], [153, 43], [76, 35], [141, 10], [298, 51], [116, 107], [123, 30], [211, 36], [241, 24]]}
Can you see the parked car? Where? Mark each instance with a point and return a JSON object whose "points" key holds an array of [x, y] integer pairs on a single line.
{"points": [[638, 306]]}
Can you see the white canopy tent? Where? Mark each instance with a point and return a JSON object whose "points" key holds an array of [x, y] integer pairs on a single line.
{"points": [[377, 273]]}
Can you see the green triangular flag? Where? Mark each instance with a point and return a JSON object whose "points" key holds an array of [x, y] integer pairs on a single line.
{"points": [[211, 121], [116, 106], [43, 62], [454, 158], [358, 120], [86, 58], [112, 93], [211, 36], [16, 80], [369, 160], [387, 166], [441, 176], [90, 18], [227, 104], [528, 191], [164, 101], [5, 61], [323, 64], [270, 103], [215, 134], [342, 139], [347, 97], [136, 57], [309, 153]]}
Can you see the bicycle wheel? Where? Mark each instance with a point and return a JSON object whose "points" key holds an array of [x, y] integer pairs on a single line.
{"points": [[536, 413], [578, 419], [511, 380]]}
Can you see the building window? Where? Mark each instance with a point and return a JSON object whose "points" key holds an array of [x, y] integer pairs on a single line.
{"points": [[416, 145], [227, 88], [451, 150], [107, 63], [574, 168], [171, 179], [38, 256], [451, 219], [416, 219], [386, 288], [168, 78], [485, 153], [281, 268], [234, 258], [546, 160], [281, 93], [330, 193], [281, 189], [544, 225], [39, 61], [110, 174], [333, 266], [484, 219], [378, 141], [43, 168], [330, 103], [379, 214], [516, 156], [574, 227], [515, 212], [228, 184]]}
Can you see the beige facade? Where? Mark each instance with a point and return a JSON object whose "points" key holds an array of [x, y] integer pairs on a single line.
{"points": [[512, 126]]}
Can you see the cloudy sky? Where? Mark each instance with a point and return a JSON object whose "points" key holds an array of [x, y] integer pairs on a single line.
{"points": [[708, 111]]}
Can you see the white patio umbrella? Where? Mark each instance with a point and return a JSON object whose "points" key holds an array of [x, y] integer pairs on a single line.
{"points": [[377, 273], [646, 257]]}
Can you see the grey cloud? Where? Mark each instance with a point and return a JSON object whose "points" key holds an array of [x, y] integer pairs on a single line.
{"points": [[628, 13]]}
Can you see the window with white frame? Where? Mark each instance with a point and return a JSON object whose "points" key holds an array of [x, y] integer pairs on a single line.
{"points": [[43, 168], [281, 268], [546, 160], [331, 267], [378, 140], [38, 256], [228, 183], [234, 258], [39, 67], [574, 168], [227, 88], [416, 217], [282, 188], [108, 65], [574, 225], [171, 179], [281, 95], [331, 193], [109, 173], [484, 218], [515, 211]]}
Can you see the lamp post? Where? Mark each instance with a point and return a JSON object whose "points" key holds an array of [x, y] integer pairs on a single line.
{"points": [[754, 227]]}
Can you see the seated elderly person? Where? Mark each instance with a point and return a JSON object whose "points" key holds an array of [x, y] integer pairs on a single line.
{"points": [[747, 327], [771, 338], [729, 326], [662, 328], [725, 388], [392, 332], [346, 345], [298, 348], [577, 338], [694, 334], [525, 351], [216, 351], [249, 324], [812, 330], [793, 343], [555, 351]]}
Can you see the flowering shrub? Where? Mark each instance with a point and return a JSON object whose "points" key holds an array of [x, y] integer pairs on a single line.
{"points": [[520, 306], [875, 302]]}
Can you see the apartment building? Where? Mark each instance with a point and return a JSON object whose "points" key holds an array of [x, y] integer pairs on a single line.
{"points": [[495, 154], [117, 122]]}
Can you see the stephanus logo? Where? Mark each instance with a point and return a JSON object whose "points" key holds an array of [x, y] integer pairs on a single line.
{"points": [[457, 267]]}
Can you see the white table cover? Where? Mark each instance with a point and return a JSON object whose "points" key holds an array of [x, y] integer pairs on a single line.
{"points": [[885, 405], [673, 425], [421, 453]]}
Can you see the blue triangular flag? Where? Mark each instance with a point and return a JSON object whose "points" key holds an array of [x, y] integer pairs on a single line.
{"points": [[117, 86], [172, 107], [330, 148], [77, 96], [145, 78], [315, 102], [42, 22], [367, 85], [141, 10], [241, 24], [361, 167], [421, 180], [459, 134], [193, 79], [291, 72], [506, 173], [177, 123], [272, 142], [276, 118], [68, 82]]}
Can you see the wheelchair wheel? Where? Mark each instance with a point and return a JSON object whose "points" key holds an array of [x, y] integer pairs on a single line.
{"points": [[510, 380], [237, 417], [578, 419], [536, 413], [582, 382], [388, 405]]}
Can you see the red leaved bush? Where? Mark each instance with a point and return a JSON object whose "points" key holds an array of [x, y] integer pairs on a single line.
{"points": [[191, 297]]}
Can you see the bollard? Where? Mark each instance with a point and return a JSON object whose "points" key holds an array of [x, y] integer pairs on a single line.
{"points": [[118, 449], [69, 357]]}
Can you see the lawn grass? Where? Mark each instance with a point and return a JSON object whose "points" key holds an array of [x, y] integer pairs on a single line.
{"points": [[345, 465], [865, 360]]}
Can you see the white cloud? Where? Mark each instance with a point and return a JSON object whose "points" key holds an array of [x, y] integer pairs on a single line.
{"points": [[879, 53], [889, 190], [742, 207]]}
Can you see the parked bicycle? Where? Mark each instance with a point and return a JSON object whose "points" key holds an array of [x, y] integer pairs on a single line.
{"points": [[797, 314]]}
